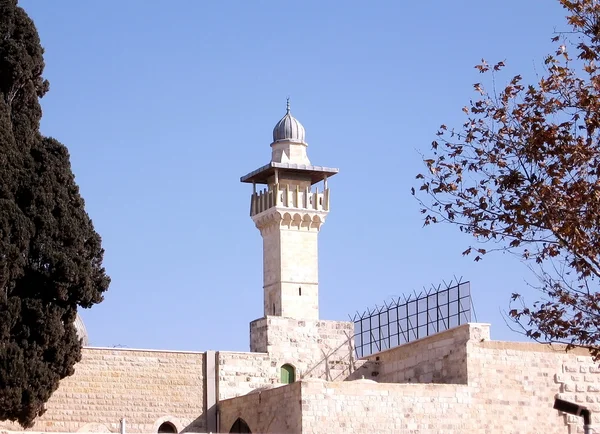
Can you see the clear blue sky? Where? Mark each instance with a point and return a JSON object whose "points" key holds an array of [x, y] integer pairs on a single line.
{"points": [[164, 105]]}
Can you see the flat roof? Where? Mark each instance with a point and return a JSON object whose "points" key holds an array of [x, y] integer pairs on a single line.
{"points": [[262, 174]]}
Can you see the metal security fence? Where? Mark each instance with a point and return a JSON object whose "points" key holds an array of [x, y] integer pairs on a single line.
{"points": [[405, 319]]}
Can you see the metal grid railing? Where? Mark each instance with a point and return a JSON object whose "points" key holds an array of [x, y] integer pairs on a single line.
{"points": [[405, 319]]}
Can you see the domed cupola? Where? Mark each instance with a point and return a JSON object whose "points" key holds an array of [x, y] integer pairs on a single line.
{"points": [[288, 141], [289, 128], [81, 331]]}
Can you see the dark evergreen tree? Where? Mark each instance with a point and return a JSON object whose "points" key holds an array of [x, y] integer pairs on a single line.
{"points": [[50, 255]]}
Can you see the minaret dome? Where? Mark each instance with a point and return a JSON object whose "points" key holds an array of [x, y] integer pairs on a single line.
{"points": [[289, 128]]}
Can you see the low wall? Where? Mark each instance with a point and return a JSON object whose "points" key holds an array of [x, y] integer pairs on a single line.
{"points": [[441, 358], [145, 387], [366, 407], [277, 410]]}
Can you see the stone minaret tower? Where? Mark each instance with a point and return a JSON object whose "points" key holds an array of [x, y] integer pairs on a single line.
{"points": [[289, 212]]}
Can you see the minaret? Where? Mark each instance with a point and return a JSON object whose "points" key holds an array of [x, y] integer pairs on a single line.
{"points": [[289, 213]]}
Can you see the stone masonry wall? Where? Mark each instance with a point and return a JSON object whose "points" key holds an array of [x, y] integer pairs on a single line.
{"points": [[299, 267], [144, 387], [366, 407], [290, 262], [242, 373], [506, 376], [510, 389], [510, 386], [317, 349], [271, 411], [440, 358]]}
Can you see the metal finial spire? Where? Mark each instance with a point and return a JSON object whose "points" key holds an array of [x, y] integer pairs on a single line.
{"points": [[288, 106]]}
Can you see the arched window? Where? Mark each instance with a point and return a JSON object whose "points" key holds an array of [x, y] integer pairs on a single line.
{"points": [[167, 427], [288, 374], [240, 426]]}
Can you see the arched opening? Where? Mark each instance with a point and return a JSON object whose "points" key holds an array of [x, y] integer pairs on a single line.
{"points": [[167, 427], [288, 374], [240, 426]]}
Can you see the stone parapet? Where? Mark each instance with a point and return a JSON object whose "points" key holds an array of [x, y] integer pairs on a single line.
{"points": [[146, 388], [439, 358], [292, 199]]}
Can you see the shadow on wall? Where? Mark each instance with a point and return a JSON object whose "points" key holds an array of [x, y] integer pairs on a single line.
{"points": [[345, 368], [194, 425]]}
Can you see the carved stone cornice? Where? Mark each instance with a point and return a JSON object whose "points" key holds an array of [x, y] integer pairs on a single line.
{"points": [[276, 218]]}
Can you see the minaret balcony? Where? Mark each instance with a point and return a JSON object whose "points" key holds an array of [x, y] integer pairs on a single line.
{"points": [[286, 196]]}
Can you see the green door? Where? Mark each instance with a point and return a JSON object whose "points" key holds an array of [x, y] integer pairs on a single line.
{"points": [[288, 374]]}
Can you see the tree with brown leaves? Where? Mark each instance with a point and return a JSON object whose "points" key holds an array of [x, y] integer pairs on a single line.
{"points": [[523, 174]]}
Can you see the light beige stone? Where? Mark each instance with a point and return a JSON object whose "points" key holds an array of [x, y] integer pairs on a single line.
{"points": [[139, 385]]}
